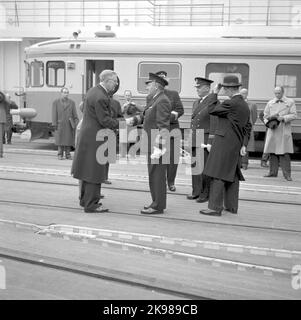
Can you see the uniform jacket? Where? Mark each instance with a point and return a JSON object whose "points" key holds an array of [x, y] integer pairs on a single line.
{"points": [[176, 105], [97, 116], [156, 116], [3, 107], [232, 132], [253, 118], [279, 140], [201, 119], [64, 117]]}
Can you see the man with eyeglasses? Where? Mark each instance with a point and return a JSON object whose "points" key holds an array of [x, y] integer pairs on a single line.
{"points": [[89, 164], [64, 120]]}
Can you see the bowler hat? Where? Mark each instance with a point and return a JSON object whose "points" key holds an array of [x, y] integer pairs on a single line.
{"points": [[272, 123], [156, 78], [231, 81], [202, 81]]}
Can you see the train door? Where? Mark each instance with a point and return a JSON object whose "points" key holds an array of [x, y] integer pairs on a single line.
{"points": [[93, 69]]}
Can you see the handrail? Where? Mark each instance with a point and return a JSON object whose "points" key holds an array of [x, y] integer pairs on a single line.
{"points": [[156, 13]]}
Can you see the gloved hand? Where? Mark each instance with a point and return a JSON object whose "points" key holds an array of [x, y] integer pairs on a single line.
{"points": [[243, 151], [157, 153], [207, 146]]}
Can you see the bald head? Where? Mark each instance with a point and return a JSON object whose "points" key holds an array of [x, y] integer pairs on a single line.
{"points": [[279, 91], [244, 93]]}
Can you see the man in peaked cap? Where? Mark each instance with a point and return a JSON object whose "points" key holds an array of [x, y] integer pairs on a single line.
{"points": [[155, 119], [177, 110], [200, 119], [229, 144]]}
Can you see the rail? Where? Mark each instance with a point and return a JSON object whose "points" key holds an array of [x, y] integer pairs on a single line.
{"points": [[55, 13]]}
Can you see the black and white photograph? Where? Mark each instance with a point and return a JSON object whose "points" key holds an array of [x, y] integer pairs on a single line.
{"points": [[150, 153]]}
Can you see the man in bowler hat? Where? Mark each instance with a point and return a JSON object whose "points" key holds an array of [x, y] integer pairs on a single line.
{"points": [[200, 119], [156, 124], [229, 144]]}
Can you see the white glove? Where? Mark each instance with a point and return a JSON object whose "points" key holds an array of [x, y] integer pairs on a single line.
{"points": [[175, 113], [129, 121], [243, 151], [157, 153], [207, 146]]}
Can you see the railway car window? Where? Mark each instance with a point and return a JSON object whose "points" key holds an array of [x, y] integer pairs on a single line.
{"points": [[27, 74], [55, 73], [37, 74], [217, 72], [173, 70], [289, 76]]}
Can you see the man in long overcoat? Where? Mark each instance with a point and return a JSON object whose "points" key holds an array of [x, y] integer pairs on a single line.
{"points": [[253, 118], [3, 108], [87, 166], [177, 110], [229, 143], [200, 119], [65, 120], [279, 141], [156, 124]]}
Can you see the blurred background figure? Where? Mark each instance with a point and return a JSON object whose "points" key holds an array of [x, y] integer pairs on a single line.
{"points": [[278, 114], [65, 120], [129, 134], [8, 132], [253, 118], [265, 156], [3, 108]]}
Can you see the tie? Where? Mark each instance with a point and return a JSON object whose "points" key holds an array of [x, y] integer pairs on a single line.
{"points": [[279, 101]]}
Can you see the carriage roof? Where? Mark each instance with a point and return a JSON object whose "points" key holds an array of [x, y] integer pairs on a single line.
{"points": [[161, 46]]}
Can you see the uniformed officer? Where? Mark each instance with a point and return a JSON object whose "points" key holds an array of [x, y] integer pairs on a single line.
{"points": [[156, 125], [229, 144], [177, 110], [200, 119]]}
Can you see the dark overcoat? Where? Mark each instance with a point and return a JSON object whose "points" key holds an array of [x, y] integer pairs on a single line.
{"points": [[176, 105], [3, 108], [156, 116], [97, 116], [201, 119], [64, 117], [232, 132], [9, 118]]}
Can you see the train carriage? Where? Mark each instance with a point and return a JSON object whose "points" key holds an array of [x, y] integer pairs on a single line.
{"points": [[260, 64]]}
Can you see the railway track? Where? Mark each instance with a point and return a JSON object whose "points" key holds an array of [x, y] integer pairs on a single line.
{"points": [[158, 217], [95, 272]]}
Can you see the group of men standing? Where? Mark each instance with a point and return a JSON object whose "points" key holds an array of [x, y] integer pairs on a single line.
{"points": [[226, 126]]}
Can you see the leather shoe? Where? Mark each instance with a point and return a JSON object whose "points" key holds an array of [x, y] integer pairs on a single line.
{"points": [[146, 207], [230, 210], [172, 188], [288, 178], [209, 212], [151, 211], [101, 196], [107, 182], [201, 200], [101, 209], [60, 157], [270, 176], [192, 197]]}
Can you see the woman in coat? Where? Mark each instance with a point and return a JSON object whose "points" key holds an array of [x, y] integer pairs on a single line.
{"points": [[65, 120]]}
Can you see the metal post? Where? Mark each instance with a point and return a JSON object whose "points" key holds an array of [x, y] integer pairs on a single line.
{"points": [[268, 13], [118, 13], [229, 12], [48, 13]]}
